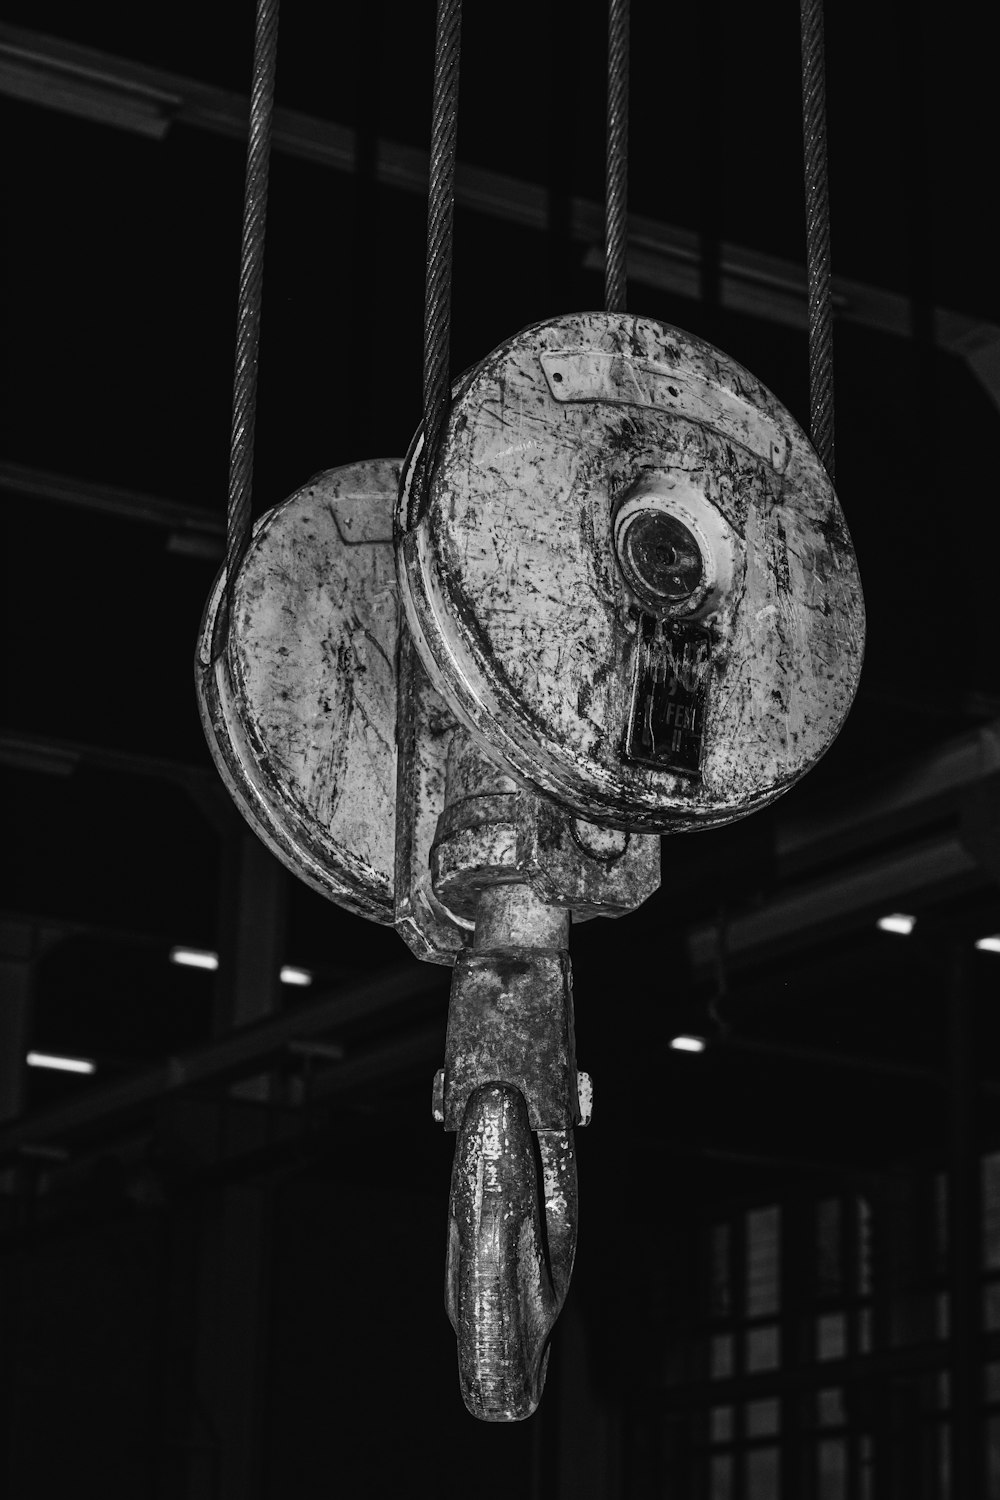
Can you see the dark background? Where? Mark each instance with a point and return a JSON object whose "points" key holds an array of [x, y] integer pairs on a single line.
{"points": [[233, 1286]]}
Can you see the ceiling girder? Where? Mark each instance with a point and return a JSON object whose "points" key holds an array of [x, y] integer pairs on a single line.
{"points": [[940, 867], [194, 530], [82, 81], [240, 1053]]}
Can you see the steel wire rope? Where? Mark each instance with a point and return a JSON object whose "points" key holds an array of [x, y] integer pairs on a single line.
{"points": [[241, 444], [440, 229], [616, 165], [817, 195]]}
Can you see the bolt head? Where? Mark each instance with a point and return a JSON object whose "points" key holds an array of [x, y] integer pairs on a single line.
{"points": [[585, 1095], [661, 557]]}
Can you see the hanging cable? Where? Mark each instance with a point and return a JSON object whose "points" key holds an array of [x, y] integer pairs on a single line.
{"points": [[251, 279], [817, 233], [616, 178], [440, 227]]}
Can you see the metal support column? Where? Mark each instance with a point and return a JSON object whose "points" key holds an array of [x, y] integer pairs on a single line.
{"points": [[251, 942], [230, 1359], [965, 1239], [798, 1298], [17, 973], [904, 1318], [232, 1276]]}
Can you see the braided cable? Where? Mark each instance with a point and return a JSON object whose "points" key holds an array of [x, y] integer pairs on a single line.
{"points": [[248, 307], [817, 193], [616, 175], [440, 228]]}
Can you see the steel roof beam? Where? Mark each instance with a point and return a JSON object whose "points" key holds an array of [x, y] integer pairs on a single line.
{"points": [[803, 913], [82, 81], [240, 1053], [194, 530]]}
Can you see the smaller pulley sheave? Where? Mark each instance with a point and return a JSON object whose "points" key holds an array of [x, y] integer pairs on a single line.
{"points": [[299, 707]]}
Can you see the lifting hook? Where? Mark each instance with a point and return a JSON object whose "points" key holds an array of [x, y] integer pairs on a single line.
{"points": [[510, 1250]]}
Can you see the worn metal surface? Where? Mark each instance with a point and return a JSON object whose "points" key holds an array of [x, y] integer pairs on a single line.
{"points": [[509, 1070], [511, 1013], [300, 709], [529, 628], [424, 731], [507, 1269], [634, 607], [594, 871], [492, 832], [510, 1066], [514, 836]]}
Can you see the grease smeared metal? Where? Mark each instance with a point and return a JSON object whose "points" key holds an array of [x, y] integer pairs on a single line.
{"points": [[636, 609], [424, 731], [518, 866], [300, 709], [507, 1269], [522, 619]]}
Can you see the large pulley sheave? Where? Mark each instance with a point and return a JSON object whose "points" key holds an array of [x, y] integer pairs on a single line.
{"points": [[630, 576], [299, 708]]}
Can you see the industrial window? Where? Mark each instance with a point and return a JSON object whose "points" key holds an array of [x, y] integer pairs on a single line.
{"points": [[787, 1289], [813, 1371]]}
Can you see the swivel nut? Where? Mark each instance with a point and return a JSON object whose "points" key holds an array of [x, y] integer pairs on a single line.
{"points": [[514, 837]]}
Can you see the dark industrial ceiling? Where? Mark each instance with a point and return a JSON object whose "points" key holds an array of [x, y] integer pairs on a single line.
{"points": [[121, 193]]}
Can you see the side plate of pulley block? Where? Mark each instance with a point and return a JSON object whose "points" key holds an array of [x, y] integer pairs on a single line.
{"points": [[630, 576], [299, 706], [424, 730]]}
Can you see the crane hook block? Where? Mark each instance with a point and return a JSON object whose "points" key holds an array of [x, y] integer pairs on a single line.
{"points": [[629, 575]]}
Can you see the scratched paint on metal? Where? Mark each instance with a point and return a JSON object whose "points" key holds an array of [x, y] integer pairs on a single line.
{"points": [[596, 872], [300, 709], [425, 728], [515, 867], [591, 374], [501, 1291], [511, 1018], [524, 620], [491, 832]]}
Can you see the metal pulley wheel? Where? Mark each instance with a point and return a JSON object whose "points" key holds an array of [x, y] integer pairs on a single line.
{"points": [[630, 576], [299, 708]]}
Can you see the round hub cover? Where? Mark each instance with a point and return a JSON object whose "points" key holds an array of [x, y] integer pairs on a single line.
{"points": [[300, 707], [630, 575]]}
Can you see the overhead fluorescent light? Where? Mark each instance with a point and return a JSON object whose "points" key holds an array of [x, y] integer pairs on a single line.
{"points": [[204, 958], [61, 1064], [897, 921], [194, 958], [989, 944], [685, 1043]]}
